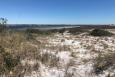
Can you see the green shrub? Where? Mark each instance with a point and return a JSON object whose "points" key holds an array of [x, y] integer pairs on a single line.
{"points": [[100, 32]]}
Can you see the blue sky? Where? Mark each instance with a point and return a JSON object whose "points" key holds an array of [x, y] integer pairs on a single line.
{"points": [[58, 11]]}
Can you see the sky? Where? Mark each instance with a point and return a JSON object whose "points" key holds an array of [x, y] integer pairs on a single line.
{"points": [[58, 11]]}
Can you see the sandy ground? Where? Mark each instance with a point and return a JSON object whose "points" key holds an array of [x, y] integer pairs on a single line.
{"points": [[76, 59], [67, 55]]}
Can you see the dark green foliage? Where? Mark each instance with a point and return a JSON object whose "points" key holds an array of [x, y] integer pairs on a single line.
{"points": [[100, 32]]}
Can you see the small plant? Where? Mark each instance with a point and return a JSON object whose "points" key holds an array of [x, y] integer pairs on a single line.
{"points": [[100, 32]]}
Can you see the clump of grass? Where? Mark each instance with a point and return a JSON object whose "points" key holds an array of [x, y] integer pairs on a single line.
{"points": [[9, 62], [12, 45], [100, 32], [49, 60], [67, 72], [12, 40], [103, 62]]}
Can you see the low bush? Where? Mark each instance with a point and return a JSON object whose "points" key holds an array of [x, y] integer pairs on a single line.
{"points": [[100, 32]]}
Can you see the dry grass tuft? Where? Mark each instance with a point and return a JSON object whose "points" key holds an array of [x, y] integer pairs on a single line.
{"points": [[49, 59], [103, 62]]}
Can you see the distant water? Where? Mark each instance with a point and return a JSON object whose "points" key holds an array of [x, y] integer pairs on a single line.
{"points": [[47, 28], [41, 27]]}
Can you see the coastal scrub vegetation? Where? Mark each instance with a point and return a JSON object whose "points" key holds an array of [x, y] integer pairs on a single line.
{"points": [[22, 52], [100, 32]]}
